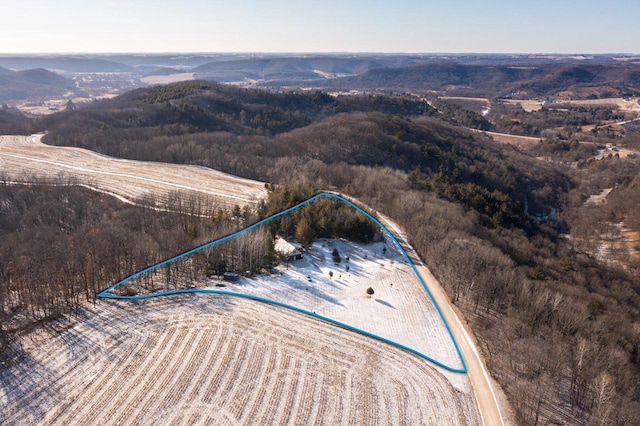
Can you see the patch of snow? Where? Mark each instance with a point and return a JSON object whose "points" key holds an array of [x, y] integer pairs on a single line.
{"points": [[599, 198]]}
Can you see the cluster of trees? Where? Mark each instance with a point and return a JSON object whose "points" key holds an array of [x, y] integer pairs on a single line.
{"points": [[13, 122], [323, 218], [461, 116], [565, 151], [597, 226], [248, 253], [62, 244]]}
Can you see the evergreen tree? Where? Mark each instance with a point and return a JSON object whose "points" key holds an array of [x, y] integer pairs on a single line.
{"points": [[304, 232]]}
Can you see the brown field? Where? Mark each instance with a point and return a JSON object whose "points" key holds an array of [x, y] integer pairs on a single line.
{"points": [[25, 158], [54, 105], [523, 142], [621, 103], [465, 98], [620, 246], [526, 104], [519, 141], [535, 105], [204, 359]]}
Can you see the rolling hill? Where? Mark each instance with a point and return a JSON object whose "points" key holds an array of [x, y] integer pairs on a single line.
{"points": [[495, 224], [32, 83]]}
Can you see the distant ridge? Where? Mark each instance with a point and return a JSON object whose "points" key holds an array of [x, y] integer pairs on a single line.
{"points": [[21, 85], [500, 80], [62, 63]]}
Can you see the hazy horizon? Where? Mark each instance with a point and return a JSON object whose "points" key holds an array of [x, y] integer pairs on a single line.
{"points": [[317, 53], [311, 26]]}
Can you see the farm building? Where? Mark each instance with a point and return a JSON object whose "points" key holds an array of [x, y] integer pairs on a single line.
{"points": [[290, 251]]}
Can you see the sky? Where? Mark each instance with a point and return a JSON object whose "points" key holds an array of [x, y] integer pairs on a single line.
{"points": [[390, 26]]}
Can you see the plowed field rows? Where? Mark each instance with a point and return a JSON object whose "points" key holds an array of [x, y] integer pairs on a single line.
{"points": [[23, 157], [400, 309], [204, 359]]}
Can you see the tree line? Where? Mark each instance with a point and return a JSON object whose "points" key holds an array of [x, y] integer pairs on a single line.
{"points": [[62, 244]]}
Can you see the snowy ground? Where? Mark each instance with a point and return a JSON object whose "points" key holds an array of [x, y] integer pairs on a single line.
{"points": [[211, 359], [205, 359], [399, 310]]}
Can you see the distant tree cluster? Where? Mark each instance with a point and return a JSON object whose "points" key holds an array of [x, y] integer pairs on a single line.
{"points": [[462, 116], [13, 122]]}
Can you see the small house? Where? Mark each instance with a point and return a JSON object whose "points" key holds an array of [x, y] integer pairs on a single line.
{"points": [[289, 251]]}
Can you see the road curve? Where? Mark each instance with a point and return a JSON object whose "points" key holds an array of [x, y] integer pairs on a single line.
{"points": [[483, 391]]}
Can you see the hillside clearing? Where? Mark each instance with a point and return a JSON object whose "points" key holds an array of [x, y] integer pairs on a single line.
{"points": [[399, 310]]}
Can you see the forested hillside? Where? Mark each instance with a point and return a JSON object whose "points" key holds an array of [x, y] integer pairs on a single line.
{"points": [[18, 85], [530, 81], [12, 121], [495, 224], [256, 134]]}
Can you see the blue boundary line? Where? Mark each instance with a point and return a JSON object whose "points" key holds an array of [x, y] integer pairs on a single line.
{"points": [[105, 293]]}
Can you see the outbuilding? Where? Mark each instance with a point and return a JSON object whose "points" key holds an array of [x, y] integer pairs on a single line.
{"points": [[231, 276]]}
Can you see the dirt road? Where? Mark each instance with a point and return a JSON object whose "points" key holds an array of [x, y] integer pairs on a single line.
{"points": [[483, 391]]}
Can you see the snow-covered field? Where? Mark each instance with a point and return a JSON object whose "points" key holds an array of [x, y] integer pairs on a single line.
{"points": [[399, 309], [207, 359], [212, 359], [23, 157]]}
